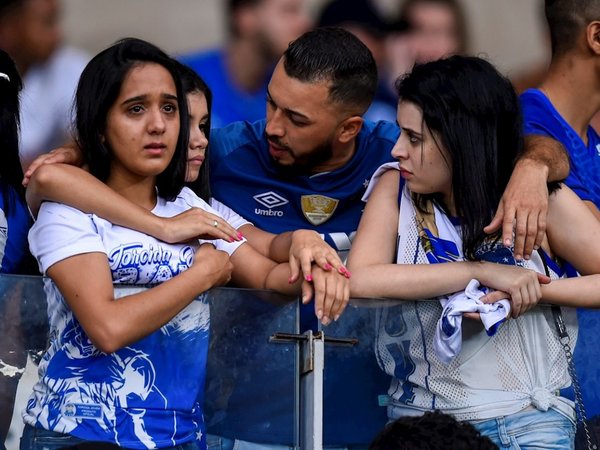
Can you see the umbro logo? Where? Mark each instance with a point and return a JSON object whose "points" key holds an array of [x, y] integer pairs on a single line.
{"points": [[270, 199]]}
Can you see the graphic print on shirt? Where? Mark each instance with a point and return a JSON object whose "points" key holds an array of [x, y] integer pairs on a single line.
{"points": [[132, 262]]}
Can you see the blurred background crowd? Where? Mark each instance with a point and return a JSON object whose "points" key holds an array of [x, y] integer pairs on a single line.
{"points": [[234, 45]]}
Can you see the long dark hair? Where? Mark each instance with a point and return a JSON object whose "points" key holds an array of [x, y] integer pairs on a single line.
{"points": [[98, 89], [476, 115], [192, 83], [11, 172]]}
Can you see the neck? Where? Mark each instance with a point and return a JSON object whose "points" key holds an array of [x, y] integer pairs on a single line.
{"points": [[574, 89], [341, 155], [139, 190], [248, 65]]}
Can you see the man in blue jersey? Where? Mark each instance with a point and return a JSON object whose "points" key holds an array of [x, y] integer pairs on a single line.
{"points": [[569, 95], [238, 73]]}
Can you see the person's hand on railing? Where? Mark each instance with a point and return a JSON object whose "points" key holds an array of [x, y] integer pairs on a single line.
{"points": [[331, 292], [309, 248]]}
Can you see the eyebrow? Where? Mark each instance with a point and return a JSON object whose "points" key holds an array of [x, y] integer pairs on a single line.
{"points": [[411, 131], [141, 98], [288, 111]]}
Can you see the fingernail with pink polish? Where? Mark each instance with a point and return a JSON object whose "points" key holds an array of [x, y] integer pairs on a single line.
{"points": [[240, 235], [327, 266], [308, 278]]}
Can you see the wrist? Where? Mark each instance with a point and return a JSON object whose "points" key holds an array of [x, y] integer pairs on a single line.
{"points": [[533, 167], [159, 228]]}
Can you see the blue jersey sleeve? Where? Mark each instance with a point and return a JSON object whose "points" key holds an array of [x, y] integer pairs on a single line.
{"points": [[541, 118]]}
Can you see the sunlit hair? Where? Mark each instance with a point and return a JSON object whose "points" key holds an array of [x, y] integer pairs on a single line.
{"points": [[475, 113], [11, 173], [566, 19], [99, 88], [193, 83], [334, 55]]}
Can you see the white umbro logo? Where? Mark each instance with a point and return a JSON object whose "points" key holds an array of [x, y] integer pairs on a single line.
{"points": [[270, 199], [598, 149]]}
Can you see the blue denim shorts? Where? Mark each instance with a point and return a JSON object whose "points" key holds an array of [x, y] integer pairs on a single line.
{"points": [[530, 430], [40, 439]]}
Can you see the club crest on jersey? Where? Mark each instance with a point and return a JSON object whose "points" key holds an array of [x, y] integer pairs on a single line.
{"points": [[318, 208]]}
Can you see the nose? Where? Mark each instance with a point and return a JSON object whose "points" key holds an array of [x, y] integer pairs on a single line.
{"points": [[198, 140], [274, 125], [399, 150], [156, 122]]}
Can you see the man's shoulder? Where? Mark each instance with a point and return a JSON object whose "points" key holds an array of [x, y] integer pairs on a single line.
{"points": [[237, 134]]}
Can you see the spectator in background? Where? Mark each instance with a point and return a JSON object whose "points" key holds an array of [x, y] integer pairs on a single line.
{"points": [[30, 33], [238, 73], [437, 27], [362, 19], [569, 95]]}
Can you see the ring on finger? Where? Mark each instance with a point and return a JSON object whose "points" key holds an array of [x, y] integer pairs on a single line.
{"points": [[215, 224]]}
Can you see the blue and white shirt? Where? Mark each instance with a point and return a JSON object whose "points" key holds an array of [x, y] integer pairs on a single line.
{"points": [[14, 226], [148, 394], [540, 117]]}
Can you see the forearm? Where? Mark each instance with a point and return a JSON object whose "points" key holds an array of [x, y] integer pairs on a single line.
{"points": [[278, 280], [139, 315], [112, 324], [279, 248], [581, 292], [412, 281], [75, 187], [545, 154]]}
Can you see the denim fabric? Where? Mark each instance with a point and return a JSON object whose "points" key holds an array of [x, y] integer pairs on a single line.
{"points": [[530, 430], [221, 443], [40, 439]]}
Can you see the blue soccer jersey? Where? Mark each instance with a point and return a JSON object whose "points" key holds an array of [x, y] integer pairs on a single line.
{"points": [[230, 103], [540, 117], [244, 177], [14, 225]]}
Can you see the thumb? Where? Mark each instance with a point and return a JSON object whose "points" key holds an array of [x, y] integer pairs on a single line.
{"points": [[543, 279], [496, 222], [307, 292]]}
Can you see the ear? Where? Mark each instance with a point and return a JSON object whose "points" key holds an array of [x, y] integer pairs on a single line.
{"points": [[593, 37], [349, 129]]}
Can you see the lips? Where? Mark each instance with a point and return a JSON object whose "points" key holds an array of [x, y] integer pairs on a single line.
{"points": [[155, 148], [405, 173], [276, 151], [197, 160]]}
